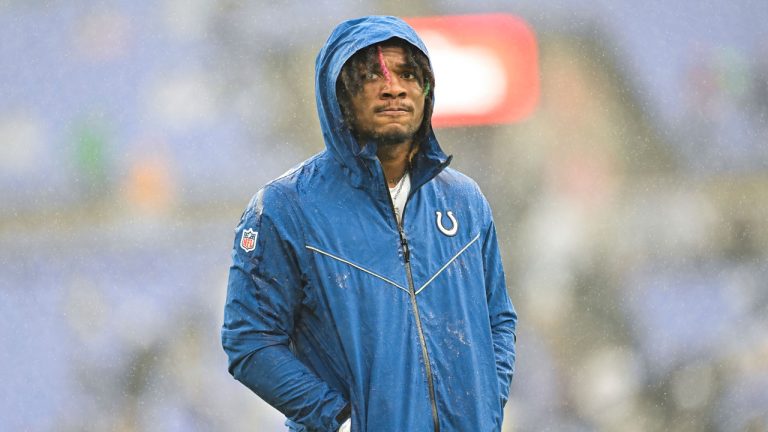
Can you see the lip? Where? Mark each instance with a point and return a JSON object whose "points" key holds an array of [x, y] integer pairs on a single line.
{"points": [[392, 113], [393, 110]]}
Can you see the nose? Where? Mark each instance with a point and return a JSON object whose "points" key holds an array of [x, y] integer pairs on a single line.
{"points": [[393, 89]]}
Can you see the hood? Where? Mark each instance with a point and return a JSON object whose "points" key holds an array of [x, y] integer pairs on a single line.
{"points": [[360, 162]]}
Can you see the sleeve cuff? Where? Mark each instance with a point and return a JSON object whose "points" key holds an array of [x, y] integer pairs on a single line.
{"points": [[344, 414]]}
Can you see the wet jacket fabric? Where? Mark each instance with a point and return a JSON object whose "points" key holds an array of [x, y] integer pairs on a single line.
{"points": [[331, 304]]}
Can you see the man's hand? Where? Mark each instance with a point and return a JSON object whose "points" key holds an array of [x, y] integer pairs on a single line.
{"points": [[346, 426]]}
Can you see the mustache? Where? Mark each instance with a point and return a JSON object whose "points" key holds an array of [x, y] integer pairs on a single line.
{"points": [[393, 107]]}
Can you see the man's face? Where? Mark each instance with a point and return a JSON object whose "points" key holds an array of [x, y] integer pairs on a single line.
{"points": [[390, 107]]}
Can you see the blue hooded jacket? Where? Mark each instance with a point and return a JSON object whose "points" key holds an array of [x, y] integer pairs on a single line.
{"points": [[331, 305]]}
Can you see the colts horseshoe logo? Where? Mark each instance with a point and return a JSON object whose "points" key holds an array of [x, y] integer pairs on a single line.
{"points": [[454, 227]]}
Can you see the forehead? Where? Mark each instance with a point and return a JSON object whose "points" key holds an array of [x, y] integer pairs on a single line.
{"points": [[394, 54], [393, 51]]}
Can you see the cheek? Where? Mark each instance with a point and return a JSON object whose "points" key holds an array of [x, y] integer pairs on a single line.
{"points": [[419, 104], [363, 100], [359, 106]]}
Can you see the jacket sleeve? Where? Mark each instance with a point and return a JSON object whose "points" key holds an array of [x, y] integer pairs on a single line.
{"points": [[502, 315], [263, 296]]}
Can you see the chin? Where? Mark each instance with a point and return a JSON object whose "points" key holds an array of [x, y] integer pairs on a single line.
{"points": [[391, 136]]}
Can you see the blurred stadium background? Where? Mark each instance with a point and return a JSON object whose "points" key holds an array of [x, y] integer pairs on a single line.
{"points": [[632, 206]]}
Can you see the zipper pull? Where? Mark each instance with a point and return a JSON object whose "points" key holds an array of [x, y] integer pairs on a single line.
{"points": [[406, 250]]}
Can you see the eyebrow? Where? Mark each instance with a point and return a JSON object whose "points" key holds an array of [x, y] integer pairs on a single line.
{"points": [[406, 66]]}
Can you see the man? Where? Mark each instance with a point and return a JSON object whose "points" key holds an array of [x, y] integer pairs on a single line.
{"points": [[366, 289]]}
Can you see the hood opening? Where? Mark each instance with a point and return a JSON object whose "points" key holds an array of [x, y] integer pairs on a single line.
{"points": [[348, 38]]}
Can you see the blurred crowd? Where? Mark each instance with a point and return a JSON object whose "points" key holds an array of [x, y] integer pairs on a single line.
{"points": [[631, 207]]}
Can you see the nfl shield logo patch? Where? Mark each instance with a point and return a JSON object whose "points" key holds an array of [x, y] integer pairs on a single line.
{"points": [[248, 240]]}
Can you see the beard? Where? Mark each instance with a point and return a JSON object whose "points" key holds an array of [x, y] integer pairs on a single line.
{"points": [[390, 136], [383, 139]]}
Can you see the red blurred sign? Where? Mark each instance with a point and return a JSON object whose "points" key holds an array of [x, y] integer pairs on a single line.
{"points": [[486, 68]]}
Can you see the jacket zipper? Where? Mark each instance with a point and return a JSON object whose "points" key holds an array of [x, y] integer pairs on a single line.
{"points": [[414, 304], [415, 307]]}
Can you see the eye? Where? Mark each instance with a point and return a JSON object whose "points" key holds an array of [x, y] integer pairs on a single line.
{"points": [[408, 75], [370, 76]]}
